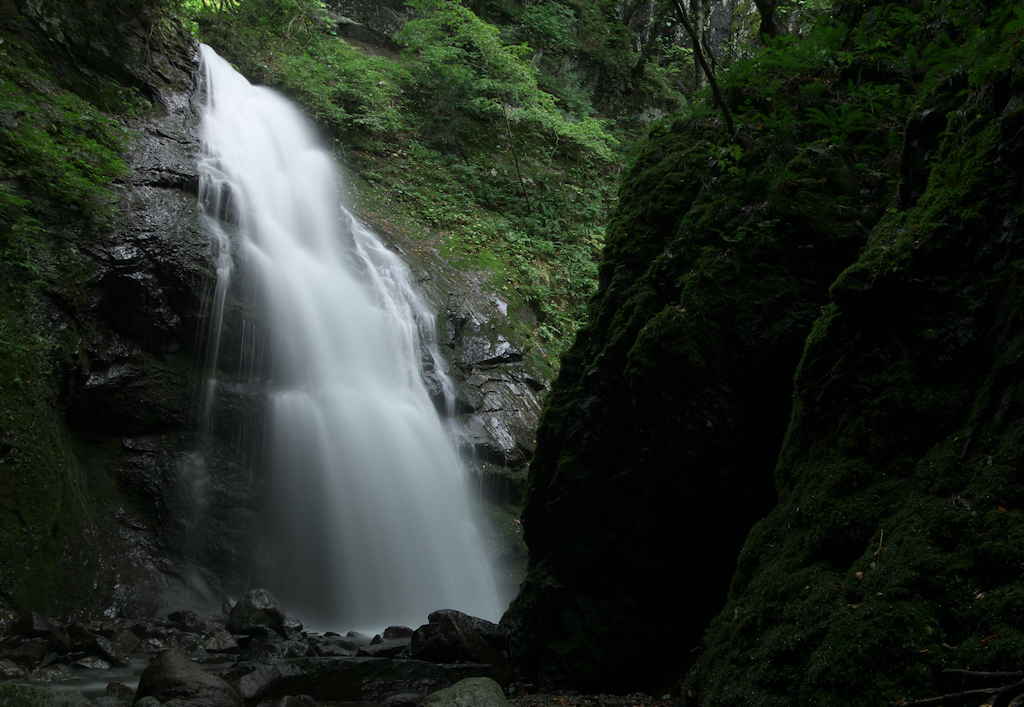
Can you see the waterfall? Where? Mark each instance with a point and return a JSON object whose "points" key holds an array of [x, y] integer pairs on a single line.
{"points": [[369, 518]]}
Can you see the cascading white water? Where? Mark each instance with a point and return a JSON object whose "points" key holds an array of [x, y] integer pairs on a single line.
{"points": [[370, 520]]}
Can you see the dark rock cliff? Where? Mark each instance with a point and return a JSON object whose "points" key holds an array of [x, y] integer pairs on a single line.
{"points": [[657, 441], [893, 551], [114, 524]]}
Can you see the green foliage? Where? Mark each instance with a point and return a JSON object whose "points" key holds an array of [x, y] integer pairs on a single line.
{"points": [[429, 137], [463, 70], [56, 151], [346, 90], [890, 555]]}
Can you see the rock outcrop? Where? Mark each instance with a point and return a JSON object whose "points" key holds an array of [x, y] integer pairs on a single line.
{"points": [[892, 553], [657, 440], [119, 312]]}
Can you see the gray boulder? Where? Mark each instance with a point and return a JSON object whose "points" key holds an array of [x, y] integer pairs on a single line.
{"points": [[9, 670], [173, 676], [258, 608], [35, 625], [454, 637], [471, 692]]}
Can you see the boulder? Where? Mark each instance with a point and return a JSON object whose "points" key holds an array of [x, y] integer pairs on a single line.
{"points": [[390, 648], [9, 670], [452, 636], [487, 630], [52, 673], [173, 676], [220, 641], [127, 641], [398, 632], [120, 691], [333, 646], [188, 620], [471, 692], [34, 625], [257, 609], [262, 651], [105, 649], [90, 662], [28, 653]]}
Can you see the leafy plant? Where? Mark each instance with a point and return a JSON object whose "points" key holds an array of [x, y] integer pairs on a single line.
{"points": [[462, 68]]}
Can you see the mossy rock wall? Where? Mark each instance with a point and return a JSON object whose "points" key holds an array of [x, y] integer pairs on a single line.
{"points": [[656, 445], [896, 548], [103, 262]]}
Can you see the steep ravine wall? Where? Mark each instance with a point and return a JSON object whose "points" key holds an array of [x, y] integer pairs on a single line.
{"points": [[894, 549], [660, 433], [99, 413]]}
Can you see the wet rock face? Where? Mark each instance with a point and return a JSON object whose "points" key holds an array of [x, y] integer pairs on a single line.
{"points": [[375, 22], [141, 377], [129, 310], [173, 676], [496, 405]]}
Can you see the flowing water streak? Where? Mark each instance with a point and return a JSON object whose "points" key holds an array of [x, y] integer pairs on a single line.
{"points": [[370, 521]]}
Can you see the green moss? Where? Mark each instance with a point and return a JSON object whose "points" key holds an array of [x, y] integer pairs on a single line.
{"points": [[60, 159], [892, 552], [41, 494]]}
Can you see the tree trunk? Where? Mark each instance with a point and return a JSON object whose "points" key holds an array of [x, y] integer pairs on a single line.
{"points": [[699, 55]]}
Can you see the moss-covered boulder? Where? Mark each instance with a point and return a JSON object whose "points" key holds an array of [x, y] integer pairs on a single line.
{"points": [[896, 548], [656, 444]]}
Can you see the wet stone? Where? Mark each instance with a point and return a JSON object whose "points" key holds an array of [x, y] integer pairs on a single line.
{"points": [[52, 673], [151, 645], [391, 648], [220, 641], [121, 691], [127, 641], [91, 662], [9, 670]]}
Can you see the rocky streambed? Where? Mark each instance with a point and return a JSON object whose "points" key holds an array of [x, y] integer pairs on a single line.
{"points": [[250, 656]]}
